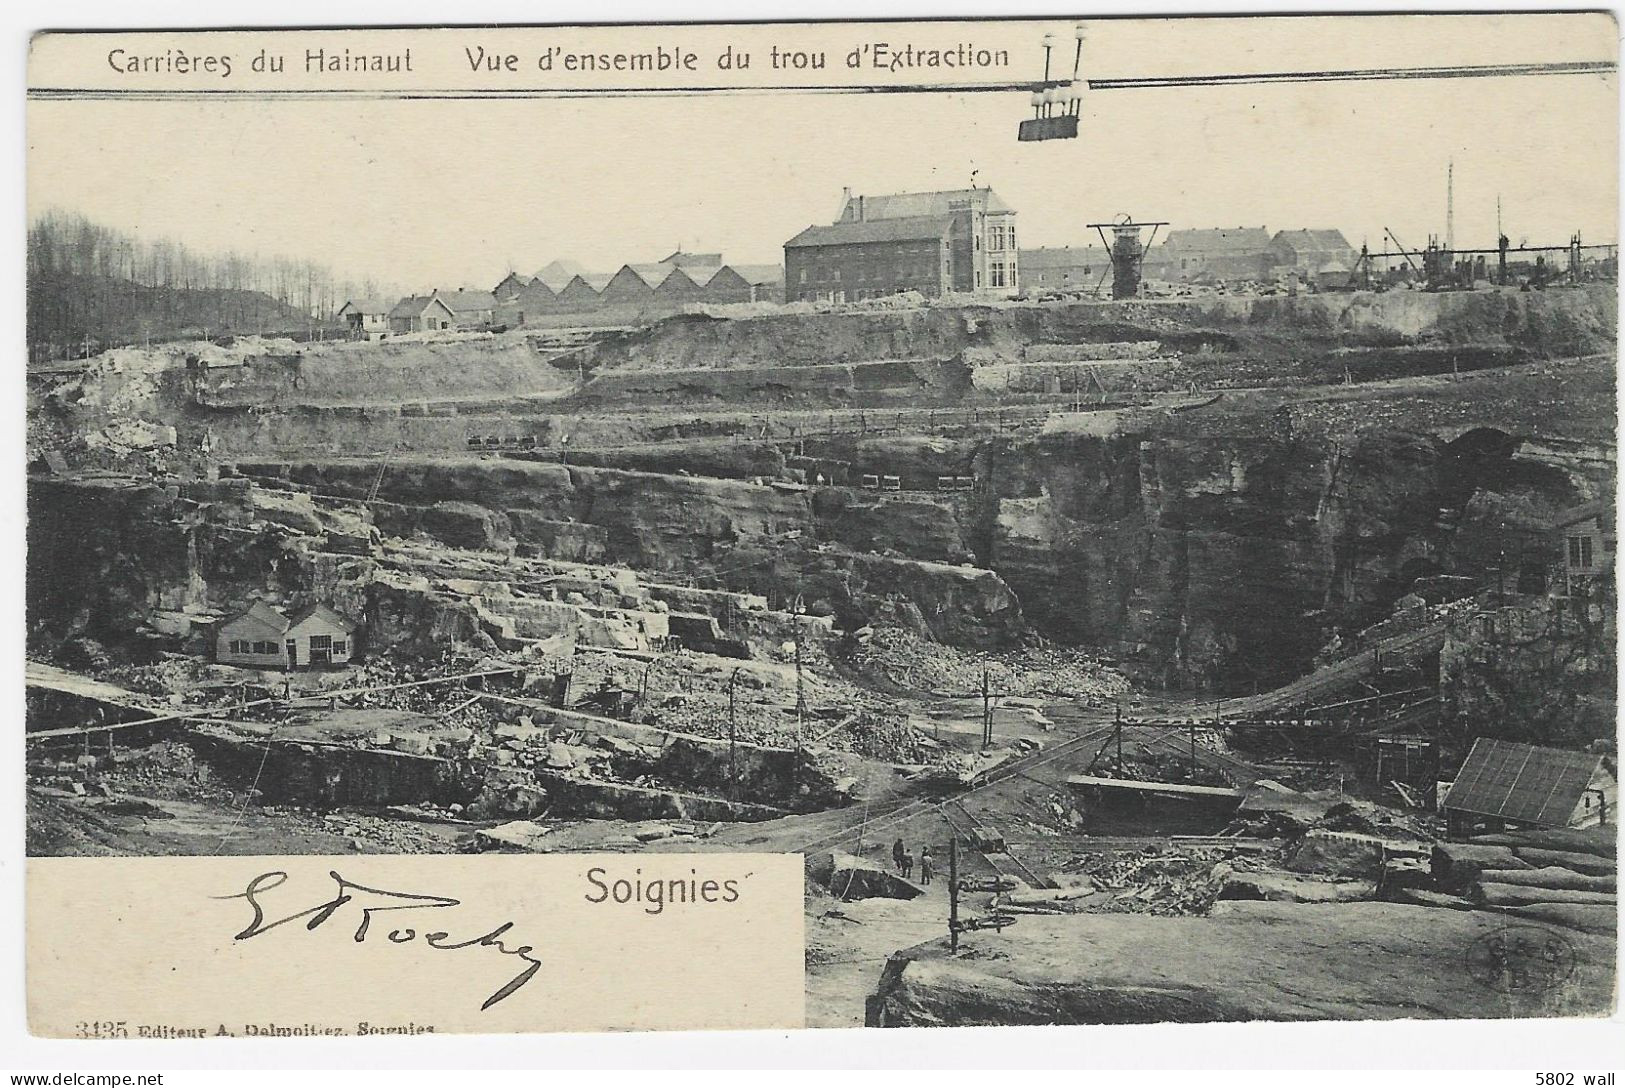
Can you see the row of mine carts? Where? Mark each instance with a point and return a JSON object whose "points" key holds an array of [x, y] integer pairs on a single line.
{"points": [[502, 442]]}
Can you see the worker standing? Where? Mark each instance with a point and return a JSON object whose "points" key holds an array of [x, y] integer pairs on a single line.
{"points": [[897, 852], [908, 863], [926, 864]]}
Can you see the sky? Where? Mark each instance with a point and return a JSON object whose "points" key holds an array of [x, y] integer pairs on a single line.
{"points": [[435, 193]]}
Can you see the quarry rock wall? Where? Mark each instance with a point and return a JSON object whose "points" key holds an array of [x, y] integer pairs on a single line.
{"points": [[1224, 560], [391, 372], [1556, 322]]}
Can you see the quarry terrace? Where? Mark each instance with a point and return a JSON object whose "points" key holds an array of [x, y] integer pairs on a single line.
{"points": [[1071, 632]]}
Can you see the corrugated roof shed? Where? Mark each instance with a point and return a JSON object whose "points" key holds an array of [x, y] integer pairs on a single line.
{"points": [[919, 205], [1521, 782], [872, 230]]}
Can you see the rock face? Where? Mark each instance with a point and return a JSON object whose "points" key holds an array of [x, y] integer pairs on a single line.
{"points": [[1534, 670], [105, 556], [1563, 322], [854, 551], [1223, 551], [1259, 961]]}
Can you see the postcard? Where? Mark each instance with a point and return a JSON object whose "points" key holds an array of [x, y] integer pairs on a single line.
{"points": [[827, 524]]}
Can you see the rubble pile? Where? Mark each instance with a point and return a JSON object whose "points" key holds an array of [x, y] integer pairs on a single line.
{"points": [[689, 693], [172, 674], [887, 736], [1271, 810], [165, 769], [909, 661], [1165, 880], [1142, 765]]}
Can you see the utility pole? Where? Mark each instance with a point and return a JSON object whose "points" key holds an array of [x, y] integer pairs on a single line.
{"points": [[1119, 740], [796, 611], [953, 894], [1193, 749], [733, 737], [987, 707], [1450, 209]]}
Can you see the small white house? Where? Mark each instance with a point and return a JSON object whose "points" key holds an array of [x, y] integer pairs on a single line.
{"points": [[366, 315], [262, 636]]}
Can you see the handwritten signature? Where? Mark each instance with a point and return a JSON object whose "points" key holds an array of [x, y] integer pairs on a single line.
{"points": [[348, 891]]}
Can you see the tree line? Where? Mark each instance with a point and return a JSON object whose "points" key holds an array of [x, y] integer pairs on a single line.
{"points": [[93, 286]]}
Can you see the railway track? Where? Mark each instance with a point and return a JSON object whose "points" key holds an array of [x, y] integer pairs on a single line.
{"points": [[974, 832], [906, 810]]}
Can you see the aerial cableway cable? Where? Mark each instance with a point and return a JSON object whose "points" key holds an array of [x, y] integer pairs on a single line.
{"points": [[1353, 75]]}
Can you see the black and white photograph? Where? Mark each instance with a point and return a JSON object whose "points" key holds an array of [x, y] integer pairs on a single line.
{"points": [[1128, 503]]}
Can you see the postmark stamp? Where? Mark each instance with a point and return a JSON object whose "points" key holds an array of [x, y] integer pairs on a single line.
{"points": [[1521, 959]]}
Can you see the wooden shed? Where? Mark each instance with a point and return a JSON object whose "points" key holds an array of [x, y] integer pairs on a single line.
{"points": [[1503, 783]]}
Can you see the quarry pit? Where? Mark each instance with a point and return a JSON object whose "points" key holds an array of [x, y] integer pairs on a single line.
{"points": [[1118, 598]]}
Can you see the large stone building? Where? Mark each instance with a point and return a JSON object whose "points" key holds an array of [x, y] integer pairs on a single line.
{"points": [[1205, 256], [1064, 268], [937, 243], [1309, 251], [1321, 257]]}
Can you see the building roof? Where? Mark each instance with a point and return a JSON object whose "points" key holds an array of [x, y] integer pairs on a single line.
{"points": [[686, 279], [259, 616], [559, 273], [652, 275], [1220, 240], [919, 205], [410, 306], [701, 275], [365, 306], [414, 305], [1060, 257], [321, 613], [1521, 782], [1314, 239], [680, 259], [463, 300], [759, 274], [537, 290], [921, 228], [587, 281]]}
